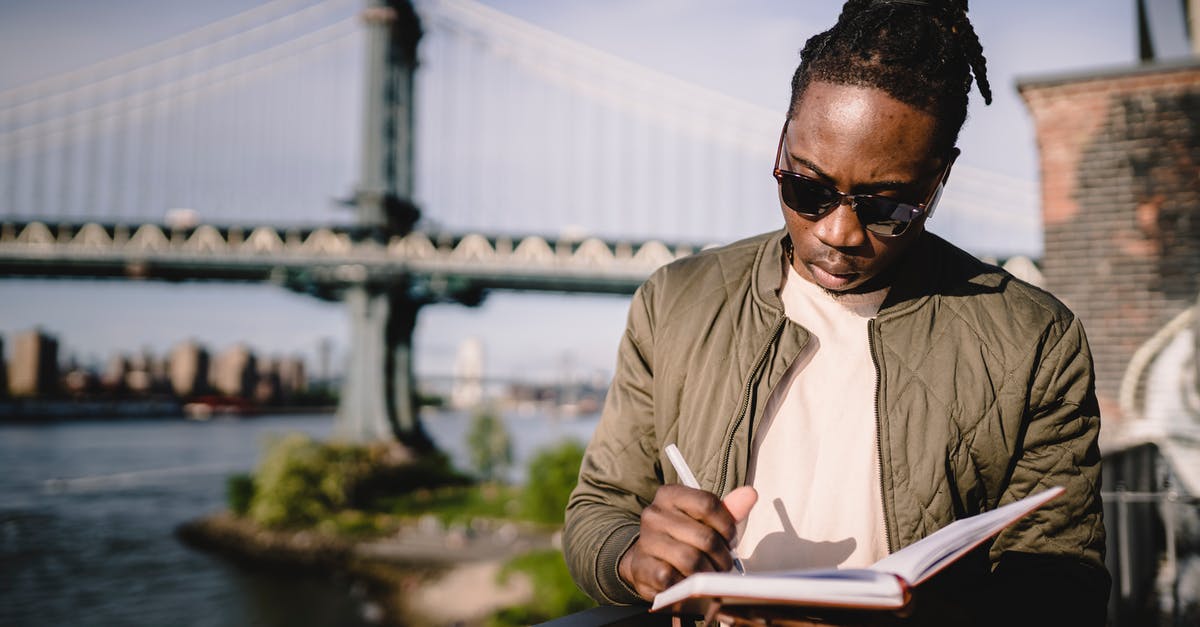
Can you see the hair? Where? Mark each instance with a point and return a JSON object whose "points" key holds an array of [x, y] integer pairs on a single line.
{"points": [[921, 52]]}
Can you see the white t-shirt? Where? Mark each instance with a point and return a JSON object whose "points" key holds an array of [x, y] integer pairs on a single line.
{"points": [[815, 457]]}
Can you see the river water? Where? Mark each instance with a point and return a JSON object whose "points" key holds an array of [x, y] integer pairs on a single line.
{"points": [[88, 510]]}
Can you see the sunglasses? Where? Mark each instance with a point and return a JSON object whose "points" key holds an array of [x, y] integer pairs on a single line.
{"points": [[881, 215]]}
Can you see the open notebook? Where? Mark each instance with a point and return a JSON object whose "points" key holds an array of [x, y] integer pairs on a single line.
{"points": [[885, 585]]}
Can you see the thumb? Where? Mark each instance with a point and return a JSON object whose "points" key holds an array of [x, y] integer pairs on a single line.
{"points": [[740, 501]]}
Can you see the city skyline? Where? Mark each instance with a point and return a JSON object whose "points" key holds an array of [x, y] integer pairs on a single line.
{"points": [[314, 361], [36, 363], [747, 50], [68, 356]]}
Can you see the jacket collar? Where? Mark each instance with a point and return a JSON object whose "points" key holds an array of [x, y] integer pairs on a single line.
{"points": [[768, 271], [922, 270], [916, 276]]}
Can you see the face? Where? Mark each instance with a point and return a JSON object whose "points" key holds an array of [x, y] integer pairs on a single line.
{"points": [[861, 141]]}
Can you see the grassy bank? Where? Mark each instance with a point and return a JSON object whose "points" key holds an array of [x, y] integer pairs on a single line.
{"points": [[313, 503]]}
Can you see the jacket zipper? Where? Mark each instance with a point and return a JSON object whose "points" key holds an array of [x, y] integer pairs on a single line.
{"points": [[887, 528], [762, 356]]}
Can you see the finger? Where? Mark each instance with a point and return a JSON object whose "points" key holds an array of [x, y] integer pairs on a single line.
{"points": [[699, 505], [739, 502], [686, 558], [688, 544], [652, 575]]}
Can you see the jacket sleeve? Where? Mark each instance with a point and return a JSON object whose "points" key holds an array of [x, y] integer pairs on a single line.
{"points": [[619, 474], [1064, 540]]}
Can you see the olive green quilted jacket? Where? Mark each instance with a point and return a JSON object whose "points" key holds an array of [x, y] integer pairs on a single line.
{"points": [[984, 395]]}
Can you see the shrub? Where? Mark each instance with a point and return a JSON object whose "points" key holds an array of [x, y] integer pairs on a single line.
{"points": [[553, 473], [385, 480], [489, 444], [300, 481], [239, 492], [456, 504]]}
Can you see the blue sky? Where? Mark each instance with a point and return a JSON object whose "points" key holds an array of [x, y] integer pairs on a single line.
{"points": [[746, 49]]}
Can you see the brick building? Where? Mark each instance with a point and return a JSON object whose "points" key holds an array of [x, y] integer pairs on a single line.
{"points": [[1120, 161], [1120, 157]]}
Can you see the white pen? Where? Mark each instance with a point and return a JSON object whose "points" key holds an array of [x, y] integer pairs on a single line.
{"points": [[689, 480]]}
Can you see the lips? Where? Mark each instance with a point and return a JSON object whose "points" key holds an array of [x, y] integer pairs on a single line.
{"points": [[833, 278]]}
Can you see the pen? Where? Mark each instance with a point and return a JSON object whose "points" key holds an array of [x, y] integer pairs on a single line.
{"points": [[689, 480]]}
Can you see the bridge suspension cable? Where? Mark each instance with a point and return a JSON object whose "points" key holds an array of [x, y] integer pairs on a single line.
{"points": [[209, 120], [520, 131], [254, 23], [621, 150]]}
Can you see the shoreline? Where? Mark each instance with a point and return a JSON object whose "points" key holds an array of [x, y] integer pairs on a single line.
{"points": [[408, 576], [39, 411]]}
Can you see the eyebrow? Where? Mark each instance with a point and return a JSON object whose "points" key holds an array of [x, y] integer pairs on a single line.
{"points": [[865, 188]]}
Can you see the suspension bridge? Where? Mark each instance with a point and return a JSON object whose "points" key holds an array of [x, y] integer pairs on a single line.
{"points": [[393, 155]]}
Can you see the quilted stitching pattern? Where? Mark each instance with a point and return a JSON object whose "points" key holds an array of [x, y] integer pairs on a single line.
{"points": [[1014, 446], [986, 391]]}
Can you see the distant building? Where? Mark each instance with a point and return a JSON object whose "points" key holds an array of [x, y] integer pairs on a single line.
{"points": [[138, 378], [267, 390], [116, 369], [187, 369], [79, 383], [3, 371], [293, 376], [158, 368], [234, 372], [34, 368], [468, 375], [324, 361]]}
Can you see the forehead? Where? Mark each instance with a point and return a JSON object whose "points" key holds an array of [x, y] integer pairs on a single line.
{"points": [[835, 126]]}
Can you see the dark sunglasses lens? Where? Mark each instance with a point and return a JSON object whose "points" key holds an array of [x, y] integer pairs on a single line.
{"points": [[878, 214], [884, 216], [806, 197]]}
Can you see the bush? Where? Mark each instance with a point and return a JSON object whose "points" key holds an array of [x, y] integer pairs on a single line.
{"points": [[239, 492], [489, 444], [553, 473], [299, 481], [456, 504], [385, 481], [557, 595]]}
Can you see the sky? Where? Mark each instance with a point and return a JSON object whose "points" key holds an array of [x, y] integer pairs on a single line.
{"points": [[746, 49]]}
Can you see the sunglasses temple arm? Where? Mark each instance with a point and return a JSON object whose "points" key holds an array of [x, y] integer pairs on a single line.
{"points": [[933, 202]]}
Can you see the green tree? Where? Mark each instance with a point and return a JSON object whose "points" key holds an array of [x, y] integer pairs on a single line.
{"points": [[553, 473], [300, 481], [489, 444]]}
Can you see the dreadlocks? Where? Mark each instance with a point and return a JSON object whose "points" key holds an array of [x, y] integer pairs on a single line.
{"points": [[921, 52]]}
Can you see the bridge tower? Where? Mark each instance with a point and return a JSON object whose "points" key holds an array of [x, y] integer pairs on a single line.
{"points": [[378, 399]]}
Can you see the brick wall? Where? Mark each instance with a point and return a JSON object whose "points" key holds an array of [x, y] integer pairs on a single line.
{"points": [[1120, 161]]}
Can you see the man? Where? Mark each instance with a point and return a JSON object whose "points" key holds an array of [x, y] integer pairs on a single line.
{"points": [[859, 381]]}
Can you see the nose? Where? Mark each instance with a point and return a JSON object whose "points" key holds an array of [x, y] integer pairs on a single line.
{"points": [[840, 228]]}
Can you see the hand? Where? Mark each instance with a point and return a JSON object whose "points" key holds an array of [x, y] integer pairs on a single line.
{"points": [[683, 531]]}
